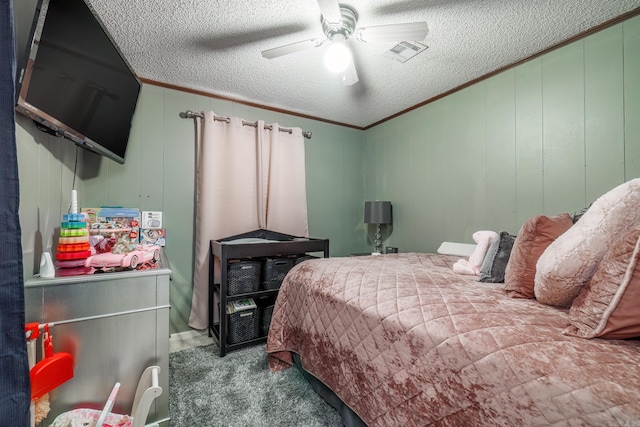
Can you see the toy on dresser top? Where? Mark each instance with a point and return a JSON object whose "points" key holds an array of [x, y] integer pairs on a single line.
{"points": [[119, 224], [104, 239], [138, 258], [151, 231], [114, 236], [123, 224], [73, 245], [153, 236], [74, 239]]}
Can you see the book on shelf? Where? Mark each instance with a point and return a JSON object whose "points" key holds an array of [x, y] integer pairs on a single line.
{"points": [[239, 305]]}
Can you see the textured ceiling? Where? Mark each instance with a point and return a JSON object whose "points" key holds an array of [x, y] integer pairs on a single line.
{"points": [[214, 46]]}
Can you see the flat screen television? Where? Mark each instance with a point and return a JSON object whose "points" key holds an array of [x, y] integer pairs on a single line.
{"points": [[75, 81]]}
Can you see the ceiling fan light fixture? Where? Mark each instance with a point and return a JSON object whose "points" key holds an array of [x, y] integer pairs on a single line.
{"points": [[338, 57], [350, 76], [412, 31], [339, 22]]}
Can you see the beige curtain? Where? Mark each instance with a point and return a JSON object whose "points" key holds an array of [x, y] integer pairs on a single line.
{"points": [[246, 178]]}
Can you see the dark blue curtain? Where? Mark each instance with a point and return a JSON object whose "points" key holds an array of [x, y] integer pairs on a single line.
{"points": [[14, 369]]}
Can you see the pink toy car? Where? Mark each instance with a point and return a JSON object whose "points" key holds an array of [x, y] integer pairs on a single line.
{"points": [[138, 256]]}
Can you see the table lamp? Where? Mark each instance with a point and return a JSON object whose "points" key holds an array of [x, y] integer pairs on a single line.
{"points": [[377, 213]]}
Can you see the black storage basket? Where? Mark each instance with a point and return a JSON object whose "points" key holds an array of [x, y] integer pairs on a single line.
{"points": [[244, 277], [265, 310], [274, 270], [265, 319], [242, 326]]}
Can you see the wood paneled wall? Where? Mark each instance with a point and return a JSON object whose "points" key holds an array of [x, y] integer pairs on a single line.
{"points": [[548, 136]]}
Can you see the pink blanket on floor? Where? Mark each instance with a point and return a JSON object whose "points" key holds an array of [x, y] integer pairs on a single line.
{"points": [[403, 340]]}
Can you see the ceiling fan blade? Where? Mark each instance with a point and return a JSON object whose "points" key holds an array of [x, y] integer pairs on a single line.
{"points": [[291, 48], [350, 76], [411, 31], [330, 10]]}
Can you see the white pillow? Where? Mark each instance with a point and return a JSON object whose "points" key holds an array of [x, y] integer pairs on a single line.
{"points": [[570, 261], [472, 266], [459, 249]]}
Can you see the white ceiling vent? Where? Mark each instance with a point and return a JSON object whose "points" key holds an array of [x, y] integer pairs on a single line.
{"points": [[404, 51]]}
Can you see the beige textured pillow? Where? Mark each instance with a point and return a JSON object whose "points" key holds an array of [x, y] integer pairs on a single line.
{"points": [[533, 238], [570, 261], [608, 305]]}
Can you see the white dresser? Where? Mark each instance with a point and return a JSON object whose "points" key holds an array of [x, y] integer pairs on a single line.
{"points": [[114, 325]]}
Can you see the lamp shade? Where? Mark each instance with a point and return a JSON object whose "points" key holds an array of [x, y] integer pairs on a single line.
{"points": [[377, 212]]}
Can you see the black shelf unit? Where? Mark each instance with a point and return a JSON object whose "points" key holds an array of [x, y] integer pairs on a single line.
{"points": [[279, 245]]}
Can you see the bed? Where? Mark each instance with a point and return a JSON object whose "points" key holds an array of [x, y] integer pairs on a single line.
{"points": [[401, 339]]}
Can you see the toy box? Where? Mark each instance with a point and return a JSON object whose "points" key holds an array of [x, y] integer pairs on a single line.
{"points": [[118, 224], [153, 236], [151, 219]]}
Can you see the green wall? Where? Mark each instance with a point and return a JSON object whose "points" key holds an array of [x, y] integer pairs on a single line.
{"points": [[159, 175], [547, 136], [45, 167]]}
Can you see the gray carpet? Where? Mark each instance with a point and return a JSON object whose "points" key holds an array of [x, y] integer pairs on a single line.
{"points": [[239, 390]]}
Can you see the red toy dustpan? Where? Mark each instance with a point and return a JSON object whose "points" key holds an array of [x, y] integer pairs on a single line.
{"points": [[52, 371]]}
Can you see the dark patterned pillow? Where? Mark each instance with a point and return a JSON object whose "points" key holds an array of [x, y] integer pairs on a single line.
{"points": [[578, 214], [495, 262]]}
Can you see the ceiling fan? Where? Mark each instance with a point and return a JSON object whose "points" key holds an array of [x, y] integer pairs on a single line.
{"points": [[339, 24]]}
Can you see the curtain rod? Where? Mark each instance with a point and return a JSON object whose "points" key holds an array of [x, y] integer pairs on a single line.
{"points": [[190, 115]]}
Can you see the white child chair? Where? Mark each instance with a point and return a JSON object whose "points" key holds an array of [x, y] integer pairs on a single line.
{"points": [[146, 392]]}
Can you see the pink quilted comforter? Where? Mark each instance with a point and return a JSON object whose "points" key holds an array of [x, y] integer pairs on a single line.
{"points": [[404, 341]]}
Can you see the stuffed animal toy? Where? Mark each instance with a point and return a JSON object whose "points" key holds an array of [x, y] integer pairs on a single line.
{"points": [[472, 266]]}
